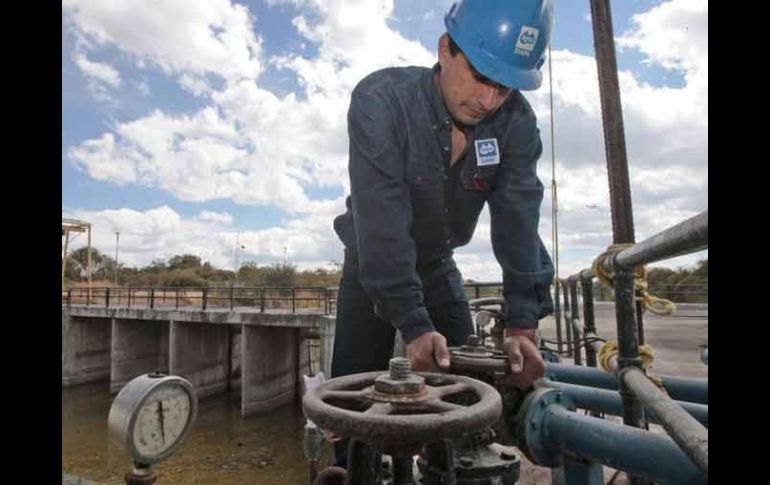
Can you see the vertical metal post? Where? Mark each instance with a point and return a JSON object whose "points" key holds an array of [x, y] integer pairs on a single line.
{"points": [[129, 298], [620, 198], [612, 122], [152, 297], [478, 292], [262, 300], [628, 344], [575, 316], [293, 301], [69, 297], [567, 323], [640, 322], [107, 298], [176, 303], [588, 316], [117, 238], [557, 314], [232, 296], [205, 297]]}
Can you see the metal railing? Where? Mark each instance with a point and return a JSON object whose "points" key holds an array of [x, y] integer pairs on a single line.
{"points": [[637, 391], [264, 298]]}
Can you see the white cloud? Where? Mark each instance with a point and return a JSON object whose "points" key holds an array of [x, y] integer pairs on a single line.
{"points": [[98, 71], [673, 35], [254, 147], [220, 217], [161, 233], [204, 37], [274, 147]]}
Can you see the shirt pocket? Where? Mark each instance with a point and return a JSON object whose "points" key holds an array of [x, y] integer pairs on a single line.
{"points": [[479, 179]]}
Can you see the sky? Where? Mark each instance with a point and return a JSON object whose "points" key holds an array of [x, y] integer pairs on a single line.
{"points": [[218, 127]]}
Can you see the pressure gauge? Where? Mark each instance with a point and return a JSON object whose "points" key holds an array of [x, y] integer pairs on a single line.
{"points": [[152, 415]]}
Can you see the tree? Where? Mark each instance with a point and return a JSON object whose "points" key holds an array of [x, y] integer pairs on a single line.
{"points": [[102, 266], [279, 275], [184, 261]]}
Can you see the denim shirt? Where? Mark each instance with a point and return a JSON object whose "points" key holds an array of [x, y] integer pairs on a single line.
{"points": [[409, 209]]}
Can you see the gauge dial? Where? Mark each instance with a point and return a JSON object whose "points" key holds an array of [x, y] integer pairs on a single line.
{"points": [[152, 415]]}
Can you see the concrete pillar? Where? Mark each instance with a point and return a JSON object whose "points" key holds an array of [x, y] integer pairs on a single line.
{"points": [[236, 366], [85, 349], [199, 353], [269, 364], [326, 340], [138, 347]]}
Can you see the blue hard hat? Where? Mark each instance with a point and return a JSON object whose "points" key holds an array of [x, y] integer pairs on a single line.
{"points": [[505, 40]]}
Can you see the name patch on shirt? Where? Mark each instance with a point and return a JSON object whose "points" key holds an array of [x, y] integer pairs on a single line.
{"points": [[487, 152]]}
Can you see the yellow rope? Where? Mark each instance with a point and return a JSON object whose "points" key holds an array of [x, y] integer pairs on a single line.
{"points": [[659, 306], [610, 350]]}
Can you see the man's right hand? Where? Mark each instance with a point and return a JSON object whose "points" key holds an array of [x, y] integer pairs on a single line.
{"points": [[428, 353]]}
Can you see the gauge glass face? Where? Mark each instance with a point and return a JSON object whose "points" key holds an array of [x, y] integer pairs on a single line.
{"points": [[161, 420]]}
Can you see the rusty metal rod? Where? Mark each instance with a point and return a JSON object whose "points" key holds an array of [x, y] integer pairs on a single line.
{"points": [[691, 436]]}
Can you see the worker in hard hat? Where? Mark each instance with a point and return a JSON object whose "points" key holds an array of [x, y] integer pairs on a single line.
{"points": [[428, 149]]}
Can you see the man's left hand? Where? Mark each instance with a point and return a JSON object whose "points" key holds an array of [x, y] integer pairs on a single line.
{"points": [[526, 363]]}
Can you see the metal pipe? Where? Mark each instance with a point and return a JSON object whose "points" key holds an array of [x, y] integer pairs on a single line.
{"points": [[686, 237], [567, 325], [628, 346], [635, 451], [557, 315], [578, 339], [589, 322], [574, 320], [608, 402], [690, 435], [679, 388], [612, 123]]}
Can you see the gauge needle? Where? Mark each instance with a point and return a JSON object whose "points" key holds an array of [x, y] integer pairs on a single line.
{"points": [[162, 426]]}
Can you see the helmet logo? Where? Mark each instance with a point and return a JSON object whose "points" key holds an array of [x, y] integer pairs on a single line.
{"points": [[526, 40]]}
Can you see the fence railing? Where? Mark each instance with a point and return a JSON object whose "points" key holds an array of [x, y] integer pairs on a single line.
{"points": [[638, 393], [272, 298], [263, 298]]}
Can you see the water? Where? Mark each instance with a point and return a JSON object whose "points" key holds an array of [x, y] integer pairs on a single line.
{"points": [[223, 447]]}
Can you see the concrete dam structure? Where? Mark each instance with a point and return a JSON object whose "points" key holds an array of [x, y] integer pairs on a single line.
{"points": [[260, 356]]}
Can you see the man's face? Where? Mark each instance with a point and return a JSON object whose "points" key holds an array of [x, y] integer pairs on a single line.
{"points": [[468, 95]]}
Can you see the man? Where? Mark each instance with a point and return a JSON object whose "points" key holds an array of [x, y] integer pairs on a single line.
{"points": [[428, 148]]}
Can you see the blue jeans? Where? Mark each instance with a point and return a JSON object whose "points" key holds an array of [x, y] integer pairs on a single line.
{"points": [[363, 342]]}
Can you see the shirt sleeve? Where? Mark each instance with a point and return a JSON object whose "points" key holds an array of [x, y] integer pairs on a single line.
{"points": [[382, 215], [515, 213]]}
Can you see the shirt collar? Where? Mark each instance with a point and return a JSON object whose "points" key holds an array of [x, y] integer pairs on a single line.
{"points": [[439, 112]]}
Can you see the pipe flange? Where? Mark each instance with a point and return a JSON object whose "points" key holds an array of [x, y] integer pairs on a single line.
{"points": [[530, 425]]}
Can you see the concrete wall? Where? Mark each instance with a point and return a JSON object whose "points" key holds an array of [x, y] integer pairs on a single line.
{"points": [[138, 347], [258, 356], [269, 360], [85, 349], [200, 353]]}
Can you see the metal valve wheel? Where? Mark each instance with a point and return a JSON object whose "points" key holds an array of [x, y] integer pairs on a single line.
{"points": [[402, 408]]}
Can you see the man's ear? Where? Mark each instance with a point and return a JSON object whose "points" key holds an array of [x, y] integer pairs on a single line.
{"points": [[443, 48]]}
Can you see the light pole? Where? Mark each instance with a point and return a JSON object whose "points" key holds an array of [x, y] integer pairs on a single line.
{"points": [[117, 240]]}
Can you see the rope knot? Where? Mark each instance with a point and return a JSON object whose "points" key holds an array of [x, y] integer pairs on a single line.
{"points": [[659, 306]]}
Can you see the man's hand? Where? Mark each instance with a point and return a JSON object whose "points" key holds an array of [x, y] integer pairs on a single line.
{"points": [[428, 353], [527, 364]]}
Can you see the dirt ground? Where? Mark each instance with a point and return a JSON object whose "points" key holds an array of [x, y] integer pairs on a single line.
{"points": [[677, 341]]}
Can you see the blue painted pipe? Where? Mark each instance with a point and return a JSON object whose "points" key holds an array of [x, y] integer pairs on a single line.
{"points": [[680, 389], [635, 451], [608, 402]]}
